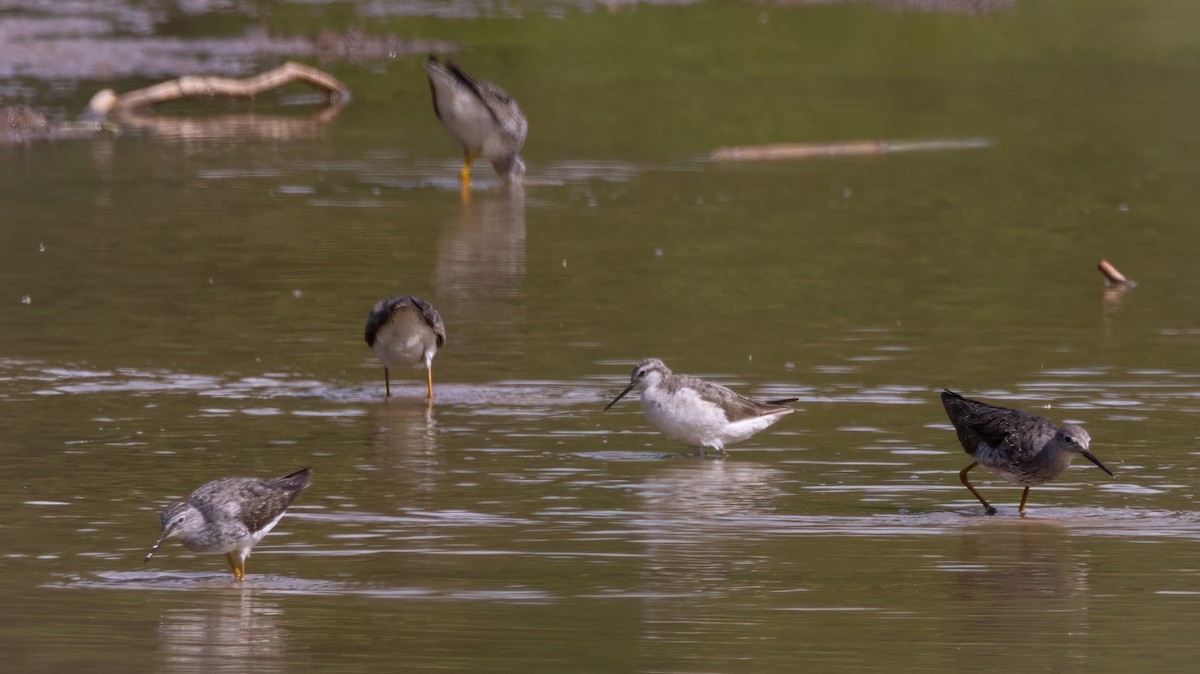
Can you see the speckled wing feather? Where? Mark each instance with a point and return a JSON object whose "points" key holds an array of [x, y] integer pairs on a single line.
{"points": [[735, 405], [977, 422], [499, 104], [432, 318], [253, 501], [383, 311]]}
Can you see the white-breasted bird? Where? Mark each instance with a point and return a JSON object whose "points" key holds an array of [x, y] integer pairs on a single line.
{"points": [[696, 412], [486, 121], [405, 330], [231, 515]]}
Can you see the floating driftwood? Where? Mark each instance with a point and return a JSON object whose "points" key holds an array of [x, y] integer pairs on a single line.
{"points": [[853, 148], [22, 124], [107, 102], [1112, 277]]}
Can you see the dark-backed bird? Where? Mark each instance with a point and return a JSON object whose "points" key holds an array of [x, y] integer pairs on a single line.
{"points": [[482, 116], [405, 330], [1019, 446], [231, 515], [696, 412]]}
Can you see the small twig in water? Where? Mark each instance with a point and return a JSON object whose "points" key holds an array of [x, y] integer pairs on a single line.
{"points": [[1113, 277]]}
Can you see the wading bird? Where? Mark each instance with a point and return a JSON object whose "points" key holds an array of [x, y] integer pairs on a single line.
{"points": [[1019, 446], [696, 412], [230, 515]]}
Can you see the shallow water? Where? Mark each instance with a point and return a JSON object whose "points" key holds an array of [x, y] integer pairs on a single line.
{"points": [[185, 301]]}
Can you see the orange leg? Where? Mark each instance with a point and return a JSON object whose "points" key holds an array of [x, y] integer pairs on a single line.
{"points": [[987, 507], [1024, 497], [238, 572], [464, 176], [429, 374]]}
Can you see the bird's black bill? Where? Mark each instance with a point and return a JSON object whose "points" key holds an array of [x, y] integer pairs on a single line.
{"points": [[619, 396], [1091, 457], [154, 548]]}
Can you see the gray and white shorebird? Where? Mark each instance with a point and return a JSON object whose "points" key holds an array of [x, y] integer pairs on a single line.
{"points": [[1019, 446], [405, 330], [482, 116], [696, 412], [231, 515]]}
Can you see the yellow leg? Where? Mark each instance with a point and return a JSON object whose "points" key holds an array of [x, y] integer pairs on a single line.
{"points": [[387, 382], [429, 374], [464, 176], [1024, 497], [987, 508], [238, 572]]}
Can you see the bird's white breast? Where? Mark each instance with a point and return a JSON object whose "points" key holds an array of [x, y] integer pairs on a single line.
{"points": [[401, 341], [470, 120], [689, 418]]}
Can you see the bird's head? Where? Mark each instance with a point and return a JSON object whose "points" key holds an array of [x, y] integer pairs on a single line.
{"points": [[1074, 440], [648, 372], [173, 518], [511, 168]]}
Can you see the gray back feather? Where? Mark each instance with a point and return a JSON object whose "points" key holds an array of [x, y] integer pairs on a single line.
{"points": [[384, 310], [978, 422], [253, 501]]}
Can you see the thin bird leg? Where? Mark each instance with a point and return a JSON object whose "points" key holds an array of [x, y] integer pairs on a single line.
{"points": [[238, 573], [987, 507], [464, 176], [429, 374], [1023, 499], [387, 381]]}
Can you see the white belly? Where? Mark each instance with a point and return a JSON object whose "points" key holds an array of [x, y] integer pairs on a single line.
{"points": [[688, 418], [402, 340], [471, 123]]}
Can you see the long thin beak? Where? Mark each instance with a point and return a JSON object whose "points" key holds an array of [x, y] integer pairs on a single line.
{"points": [[620, 395], [1091, 457], [162, 537]]}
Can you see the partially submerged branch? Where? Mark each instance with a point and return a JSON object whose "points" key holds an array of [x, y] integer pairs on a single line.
{"points": [[1113, 277], [865, 147], [107, 102]]}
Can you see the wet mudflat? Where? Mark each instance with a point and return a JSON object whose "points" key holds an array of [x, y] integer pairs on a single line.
{"points": [[185, 301]]}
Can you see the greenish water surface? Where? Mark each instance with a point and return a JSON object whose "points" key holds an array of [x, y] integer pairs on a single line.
{"points": [[185, 301]]}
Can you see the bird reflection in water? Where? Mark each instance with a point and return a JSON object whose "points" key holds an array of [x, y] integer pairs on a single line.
{"points": [[698, 525], [224, 631], [478, 272], [1019, 582], [405, 439]]}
